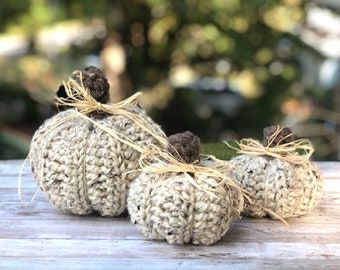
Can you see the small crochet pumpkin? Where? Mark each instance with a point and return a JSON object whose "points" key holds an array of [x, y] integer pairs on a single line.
{"points": [[182, 202], [79, 157], [282, 182]]}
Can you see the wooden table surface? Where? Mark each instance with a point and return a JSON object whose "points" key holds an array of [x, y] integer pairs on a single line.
{"points": [[40, 237]]}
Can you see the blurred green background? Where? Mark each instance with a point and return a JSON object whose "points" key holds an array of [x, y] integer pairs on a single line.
{"points": [[223, 69]]}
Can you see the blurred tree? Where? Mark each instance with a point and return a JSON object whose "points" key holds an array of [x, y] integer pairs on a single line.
{"points": [[221, 68]]}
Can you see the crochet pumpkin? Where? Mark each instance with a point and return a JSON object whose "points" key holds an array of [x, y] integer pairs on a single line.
{"points": [[281, 179], [181, 202], [81, 158]]}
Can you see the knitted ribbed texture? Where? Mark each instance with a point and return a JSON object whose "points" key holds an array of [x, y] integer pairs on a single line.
{"points": [[81, 168], [287, 189], [167, 206]]}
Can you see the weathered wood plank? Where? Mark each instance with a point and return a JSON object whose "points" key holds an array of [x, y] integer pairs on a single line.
{"points": [[164, 264], [121, 229], [327, 212], [148, 249], [330, 170], [40, 237]]}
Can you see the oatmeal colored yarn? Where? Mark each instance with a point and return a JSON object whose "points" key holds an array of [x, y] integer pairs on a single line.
{"points": [[285, 188], [167, 206], [83, 169]]}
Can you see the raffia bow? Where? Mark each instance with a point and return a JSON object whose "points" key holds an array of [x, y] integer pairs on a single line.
{"points": [[80, 98], [204, 178], [296, 152]]}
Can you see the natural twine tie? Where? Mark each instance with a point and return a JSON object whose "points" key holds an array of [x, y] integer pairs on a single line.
{"points": [[85, 158], [183, 202], [278, 174], [277, 146]]}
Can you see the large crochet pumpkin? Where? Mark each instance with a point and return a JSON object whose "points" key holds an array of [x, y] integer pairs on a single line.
{"points": [[183, 203], [283, 182], [81, 158]]}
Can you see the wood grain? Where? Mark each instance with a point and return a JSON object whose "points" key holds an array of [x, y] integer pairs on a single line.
{"points": [[40, 237]]}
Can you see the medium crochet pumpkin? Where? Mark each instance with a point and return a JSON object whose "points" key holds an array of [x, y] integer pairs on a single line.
{"points": [[78, 164], [183, 207], [280, 188]]}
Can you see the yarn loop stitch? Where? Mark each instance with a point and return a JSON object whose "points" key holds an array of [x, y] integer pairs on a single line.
{"points": [[181, 202], [86, 165], [282, 181]]}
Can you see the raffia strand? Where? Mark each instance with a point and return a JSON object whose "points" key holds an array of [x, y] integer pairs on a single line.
{"points": [[157, 160], [296, 152], [80, 98]]}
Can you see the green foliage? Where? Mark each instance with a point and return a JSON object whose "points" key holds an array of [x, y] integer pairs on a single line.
{"points": [[251, 37], [13, 146], [220, 150]]}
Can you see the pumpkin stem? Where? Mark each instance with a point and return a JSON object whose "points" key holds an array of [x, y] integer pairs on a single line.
{"points": [[185, 146], [275, 135], [94, 81]]}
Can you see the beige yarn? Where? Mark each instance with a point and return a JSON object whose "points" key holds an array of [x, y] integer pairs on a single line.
{"points": [[168, 206], [81, 168], [285, 188]]}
